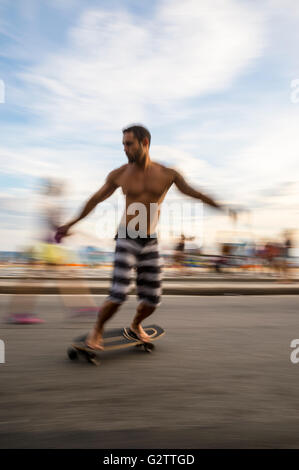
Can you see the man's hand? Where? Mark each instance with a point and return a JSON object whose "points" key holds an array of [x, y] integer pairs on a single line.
{"points": [[62, 232], [232, 213]]}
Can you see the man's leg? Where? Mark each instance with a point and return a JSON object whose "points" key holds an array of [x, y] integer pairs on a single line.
{"points": [[125, 259], [108, 309], [148, 286], [143, 311]]}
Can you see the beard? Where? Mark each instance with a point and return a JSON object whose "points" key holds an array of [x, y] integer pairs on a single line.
{"points": [[131, 158], [136, 157]]}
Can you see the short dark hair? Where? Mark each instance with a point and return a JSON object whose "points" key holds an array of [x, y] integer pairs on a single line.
{"points": [[140, 132]]}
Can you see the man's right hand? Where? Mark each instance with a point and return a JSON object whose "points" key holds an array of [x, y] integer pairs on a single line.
{"points": [[233, 214], [62, 232]]}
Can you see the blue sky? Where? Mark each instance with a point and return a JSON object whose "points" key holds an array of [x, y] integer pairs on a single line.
{"points": [[211, 81]]}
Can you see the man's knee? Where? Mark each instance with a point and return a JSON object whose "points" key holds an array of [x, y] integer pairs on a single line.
{"points": [[108, 309], [146, 307], [112, 304]]}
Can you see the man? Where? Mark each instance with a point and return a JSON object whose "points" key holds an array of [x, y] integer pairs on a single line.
{"points": [[144, 184]]}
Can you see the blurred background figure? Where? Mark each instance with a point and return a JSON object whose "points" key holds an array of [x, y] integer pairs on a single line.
{"points": [[50, 211], [286, 250], [223, 259], [51, 260], [179, 252], [179, 255], [45, 253], [271, 255]]}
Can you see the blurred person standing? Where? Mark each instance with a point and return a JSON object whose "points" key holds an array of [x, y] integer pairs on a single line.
{"points": [[179, 254], [271, 252], [287, 246], [45, 250], [50, 216]]}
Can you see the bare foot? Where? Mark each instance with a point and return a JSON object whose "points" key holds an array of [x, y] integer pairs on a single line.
{"points": [[95, 340], [141, 334]]}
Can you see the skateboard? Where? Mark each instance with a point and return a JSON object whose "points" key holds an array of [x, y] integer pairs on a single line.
{"points": [[118, 338]]}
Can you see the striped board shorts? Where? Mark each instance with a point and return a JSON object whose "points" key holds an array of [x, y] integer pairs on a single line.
{"points": [[143, 255]]}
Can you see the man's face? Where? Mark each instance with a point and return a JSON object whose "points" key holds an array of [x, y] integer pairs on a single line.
{"points": [[133, 149]]}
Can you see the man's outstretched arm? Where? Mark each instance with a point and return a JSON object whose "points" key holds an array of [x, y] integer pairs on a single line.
{"points": [[103, 193], [185, 188]]}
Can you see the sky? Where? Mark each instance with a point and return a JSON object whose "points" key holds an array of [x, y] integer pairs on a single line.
{"points": [[216, 83]]}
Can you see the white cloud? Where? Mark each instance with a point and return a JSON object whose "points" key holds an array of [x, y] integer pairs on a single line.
{"points": [[272, 158], [119, 68]]}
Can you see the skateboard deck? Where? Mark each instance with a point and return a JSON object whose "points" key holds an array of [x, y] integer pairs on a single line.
{"points": [[117, 338]]}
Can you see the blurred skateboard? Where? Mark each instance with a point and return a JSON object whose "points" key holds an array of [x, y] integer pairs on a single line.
{"points": [[118, 338]]}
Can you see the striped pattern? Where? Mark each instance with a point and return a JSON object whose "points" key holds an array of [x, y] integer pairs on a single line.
{"points": [[145, 258]]}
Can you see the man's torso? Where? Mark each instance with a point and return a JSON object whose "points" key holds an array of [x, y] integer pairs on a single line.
{"points": [[147, 187]]}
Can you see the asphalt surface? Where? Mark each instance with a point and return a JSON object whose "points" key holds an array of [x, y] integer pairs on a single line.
{"points": [[221, 377]]}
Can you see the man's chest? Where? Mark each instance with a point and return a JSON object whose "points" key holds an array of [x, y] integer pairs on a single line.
{"points": [[140, 184]]}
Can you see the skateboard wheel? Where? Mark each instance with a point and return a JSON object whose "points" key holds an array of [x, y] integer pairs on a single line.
{"points": [[148, 347], [93, 360], [72, 354]]}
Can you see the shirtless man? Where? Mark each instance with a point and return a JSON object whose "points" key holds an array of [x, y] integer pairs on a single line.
{"points": [[144, 184]]}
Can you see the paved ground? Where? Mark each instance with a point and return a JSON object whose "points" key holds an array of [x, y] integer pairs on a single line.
{"points": [[220, 377]]}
